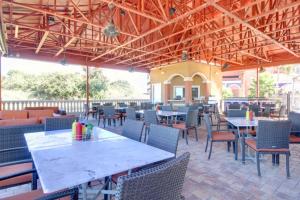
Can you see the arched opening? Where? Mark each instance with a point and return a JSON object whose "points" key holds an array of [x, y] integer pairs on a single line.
{"points": [[177, 87]]}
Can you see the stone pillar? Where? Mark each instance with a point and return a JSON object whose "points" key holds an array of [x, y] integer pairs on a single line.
{"points": [[167, 91], [207, 89], [188, 90]]}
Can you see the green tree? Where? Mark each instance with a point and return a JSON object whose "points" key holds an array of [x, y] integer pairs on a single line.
{"points": [[226, 92], [57, 86], [98, 84], [52, 86], [120, 89], [17, 80], [266, 85]]}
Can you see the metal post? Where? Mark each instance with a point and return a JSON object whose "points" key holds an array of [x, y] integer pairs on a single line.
{"points": [[0, 82], [87, 86], [257, 83]]}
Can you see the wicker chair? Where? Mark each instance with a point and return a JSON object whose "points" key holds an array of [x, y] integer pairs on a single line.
{"points": [[166, 108], [39, 195], [190, 123], [218, 136], [272, 138], [163, 137], [150, 117], [280, 114], [130, 113], [163, 182], [109, 114], [182, 109], [256, 109], [295, 130], [58, 123], [236, 113], [267, 111], [234, 106], [16, 167], [87, 111], [133, 129]]}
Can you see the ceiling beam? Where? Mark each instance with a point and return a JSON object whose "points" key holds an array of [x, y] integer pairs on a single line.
{"points": [[80, 12], [246, 24], [197, 9], [49, 12], [65, 46], [16, 31], [132, 10], [46, 33]]}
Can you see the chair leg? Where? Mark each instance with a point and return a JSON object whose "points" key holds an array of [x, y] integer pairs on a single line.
{"points": [[99, 121], [210, 149], [273, 159], [206, 144], [104, 122], [34, 179], [114, 120], [196, 133], [186, 136], [287, 165], [228, 146], [233, 147], [258, 164]]}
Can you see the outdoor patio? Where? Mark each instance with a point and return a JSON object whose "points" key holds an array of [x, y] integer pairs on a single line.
{"points": [[222, 177], [194, 55]]}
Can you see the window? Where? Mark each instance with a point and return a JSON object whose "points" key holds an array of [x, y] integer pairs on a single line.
{"points": [[156, 92], [179, 92], [195, 92]]}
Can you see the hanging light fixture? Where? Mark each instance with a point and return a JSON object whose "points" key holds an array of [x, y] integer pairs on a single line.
{"points": [[184, 55], [64, 60], [110, 29], [225, 66], [261, 69], [172, 11], [131, 69]]}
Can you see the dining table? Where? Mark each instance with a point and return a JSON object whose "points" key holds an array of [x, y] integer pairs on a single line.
{"points": [[242, 122], [62, 162]]}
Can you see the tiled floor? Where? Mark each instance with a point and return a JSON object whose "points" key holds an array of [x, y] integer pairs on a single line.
{"points": [[222, 178]]}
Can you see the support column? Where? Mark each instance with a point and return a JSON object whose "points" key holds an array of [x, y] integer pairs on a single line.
{"points": [[87, 86], [0, 81], [207, 89], [188, 90], [167, 91], [257, 82]]}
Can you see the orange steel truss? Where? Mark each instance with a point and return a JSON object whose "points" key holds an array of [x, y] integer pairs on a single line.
{"points": [[241, 33]]}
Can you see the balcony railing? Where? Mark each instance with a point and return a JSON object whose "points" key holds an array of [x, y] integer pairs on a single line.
{"points": [[70, 106]]}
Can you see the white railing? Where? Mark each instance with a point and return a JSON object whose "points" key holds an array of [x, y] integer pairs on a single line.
{"points": [[70, 106]]}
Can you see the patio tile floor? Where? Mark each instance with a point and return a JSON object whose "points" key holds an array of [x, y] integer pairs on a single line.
{"points": [[222, 178]]}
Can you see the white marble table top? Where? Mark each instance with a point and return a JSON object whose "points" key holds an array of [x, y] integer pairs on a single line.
{"points": [[169, 113], [63, 166], [241, 121], [164, 113], [51, 139]]}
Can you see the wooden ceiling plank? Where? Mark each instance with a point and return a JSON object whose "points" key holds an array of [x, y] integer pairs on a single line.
{"points": [[79, 11], [49, 12], [260, 33], [154, 30], [46, 33], [132, 10], [162, 10], [16, 31]]}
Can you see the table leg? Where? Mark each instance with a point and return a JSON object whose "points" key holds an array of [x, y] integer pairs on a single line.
{"points": [[243, 146], [84, 193], [236, 145], [106, 187]]}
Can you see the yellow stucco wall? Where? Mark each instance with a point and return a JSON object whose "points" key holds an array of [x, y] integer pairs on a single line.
{"points": [[189, 69]]}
